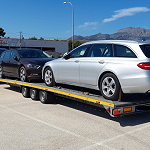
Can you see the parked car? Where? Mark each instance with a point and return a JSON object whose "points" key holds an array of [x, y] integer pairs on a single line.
{"points": [[111, 66], [2, 50], [25, 64]]}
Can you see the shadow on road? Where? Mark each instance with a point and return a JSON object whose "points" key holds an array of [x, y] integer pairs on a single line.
{"points": [[127, 120]]}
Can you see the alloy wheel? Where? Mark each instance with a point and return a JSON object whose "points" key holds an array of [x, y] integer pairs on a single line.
{"points": [[48, 77], [22, 74], [108, 86]]}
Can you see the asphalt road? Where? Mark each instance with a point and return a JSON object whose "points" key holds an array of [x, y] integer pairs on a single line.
{"points": [[67, 125]]}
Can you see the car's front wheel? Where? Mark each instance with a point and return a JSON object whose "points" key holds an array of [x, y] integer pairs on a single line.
{"points": [[48, 77], [110, 86], [23, 74]]}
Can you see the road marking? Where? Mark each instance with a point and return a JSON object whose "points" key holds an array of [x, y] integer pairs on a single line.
{"points": [[56, 127], [94, 143], [114, 138], [48, 124]]}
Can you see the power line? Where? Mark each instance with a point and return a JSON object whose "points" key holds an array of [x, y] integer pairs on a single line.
{"points": [[30, 35]]}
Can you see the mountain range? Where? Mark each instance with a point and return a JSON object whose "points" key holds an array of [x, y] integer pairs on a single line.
{"points": [[130, 33]]}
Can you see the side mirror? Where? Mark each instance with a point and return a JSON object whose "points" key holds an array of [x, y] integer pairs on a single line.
{"points": [[16, 58], [51, 56], [64, 55]]}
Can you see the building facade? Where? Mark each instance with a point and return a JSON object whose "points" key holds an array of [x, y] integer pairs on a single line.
{"points": [[48, 46]]}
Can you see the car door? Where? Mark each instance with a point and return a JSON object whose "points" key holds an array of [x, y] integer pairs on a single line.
{"points": [[14, 63], [69, 66], [90, 67]]}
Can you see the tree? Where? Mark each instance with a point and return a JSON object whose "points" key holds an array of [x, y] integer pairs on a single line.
{"points": [[76, 44], [56, 40], [33, 38], [70, 45], [41, 38], [2, 33]]}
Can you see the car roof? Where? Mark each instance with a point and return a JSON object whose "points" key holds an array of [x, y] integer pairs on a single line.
{"points": [[119, 42], [20, 49]]}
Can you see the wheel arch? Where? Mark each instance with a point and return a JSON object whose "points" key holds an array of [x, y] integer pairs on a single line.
{"points": [[43, 70], [100, 77]]}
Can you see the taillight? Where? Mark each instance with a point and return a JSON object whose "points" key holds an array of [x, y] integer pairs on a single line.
{"points": [[145, 66]]}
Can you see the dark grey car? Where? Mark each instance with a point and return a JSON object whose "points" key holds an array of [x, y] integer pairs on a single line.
{"points": [[2, 50], [25, 64]]}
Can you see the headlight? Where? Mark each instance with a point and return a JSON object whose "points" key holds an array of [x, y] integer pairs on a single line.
{"points": [[33, 66]]}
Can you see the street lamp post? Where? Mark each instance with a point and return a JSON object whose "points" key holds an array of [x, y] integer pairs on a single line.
{"points": [[72, 24]]}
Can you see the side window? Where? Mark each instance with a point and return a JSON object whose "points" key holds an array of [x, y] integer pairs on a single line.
{"points": [[100, 50], [14, 53], [78, 52], [7, 55], [3, 54], [123, 51]]}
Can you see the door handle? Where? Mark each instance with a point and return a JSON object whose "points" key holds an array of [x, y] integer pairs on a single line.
{"points": [[101, 61], [77, 61]]}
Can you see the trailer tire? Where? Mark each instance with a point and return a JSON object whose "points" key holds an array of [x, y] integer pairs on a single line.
{"points": [[34, 94], [46, 97], [25, 92]]}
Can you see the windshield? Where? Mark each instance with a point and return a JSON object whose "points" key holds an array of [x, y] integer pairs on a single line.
{"points": [[33, 54], [146, 49], [1, 51]]}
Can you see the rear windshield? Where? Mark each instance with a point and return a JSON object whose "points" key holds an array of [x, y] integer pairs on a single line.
{"points": [[33, 54], [146, 49]]}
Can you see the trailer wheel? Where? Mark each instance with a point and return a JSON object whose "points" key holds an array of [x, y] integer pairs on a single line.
{"points": [[25, 92], [46, 97], [34, 94], [110, 86]]}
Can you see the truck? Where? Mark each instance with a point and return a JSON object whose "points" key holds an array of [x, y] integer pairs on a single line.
{"points": [[125, 105]]}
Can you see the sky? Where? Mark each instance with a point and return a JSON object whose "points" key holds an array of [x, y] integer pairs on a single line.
{"points": [[51, 19]]}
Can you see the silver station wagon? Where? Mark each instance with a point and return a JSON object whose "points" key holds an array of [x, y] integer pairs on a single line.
{"points": [[110, 66]]}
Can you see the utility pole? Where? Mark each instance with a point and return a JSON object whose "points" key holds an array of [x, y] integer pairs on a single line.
{"points": [[20, 38]]}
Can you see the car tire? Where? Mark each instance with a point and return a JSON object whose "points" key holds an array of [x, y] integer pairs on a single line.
{"points": [[25, 92], [49, 77], [23, 74], [110, 87], [34, 94]]}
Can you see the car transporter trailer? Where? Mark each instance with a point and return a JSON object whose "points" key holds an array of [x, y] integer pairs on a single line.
{"points": [[127, 104]]}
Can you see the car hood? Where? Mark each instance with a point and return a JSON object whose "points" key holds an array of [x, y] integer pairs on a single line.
{"points": [[39, 61]]}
